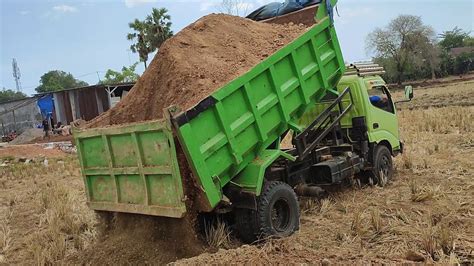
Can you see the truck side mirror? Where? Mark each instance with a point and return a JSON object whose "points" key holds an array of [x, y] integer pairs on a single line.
{"points": [[408, 93]]}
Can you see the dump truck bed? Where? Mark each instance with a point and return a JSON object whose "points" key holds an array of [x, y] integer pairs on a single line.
{"points": [[133, 168]]}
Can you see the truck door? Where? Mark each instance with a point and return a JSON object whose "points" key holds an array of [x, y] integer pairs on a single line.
{"points": [[382, 120]]}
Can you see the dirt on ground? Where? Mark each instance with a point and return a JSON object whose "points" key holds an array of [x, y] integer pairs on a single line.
{"points": [[52, 138], [138, 239], [29, 151], [447, 94], [197, 61], [436, 82]]}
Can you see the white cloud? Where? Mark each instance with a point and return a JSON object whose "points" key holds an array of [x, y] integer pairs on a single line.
{"points": [[133, 3], [25, 12], [65, 8]]}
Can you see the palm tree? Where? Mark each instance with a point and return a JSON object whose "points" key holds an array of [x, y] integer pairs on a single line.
{"points": [[150, 33]]}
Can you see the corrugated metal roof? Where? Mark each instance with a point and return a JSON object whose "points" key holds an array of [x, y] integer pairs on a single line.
{"points": [[91, 87]]}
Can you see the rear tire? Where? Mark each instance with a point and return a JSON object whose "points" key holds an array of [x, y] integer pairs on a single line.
{"points": [[277, 214]]}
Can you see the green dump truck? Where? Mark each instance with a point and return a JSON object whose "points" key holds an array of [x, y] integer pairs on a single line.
{"points": [[225, 153]]}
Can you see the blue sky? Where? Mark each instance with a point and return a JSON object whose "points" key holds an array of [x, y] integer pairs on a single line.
{"points": [[87, 37]]}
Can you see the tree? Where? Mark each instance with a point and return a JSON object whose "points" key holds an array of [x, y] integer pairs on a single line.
{"points": [[126, 75], [235, 7], [453, 38], [10, 95], [56, 80], [407, 42], [452, 64], [150, 33], [464, 63], [468, 41]]}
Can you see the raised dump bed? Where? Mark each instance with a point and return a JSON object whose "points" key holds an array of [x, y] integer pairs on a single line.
{"points": [[230, 137]]}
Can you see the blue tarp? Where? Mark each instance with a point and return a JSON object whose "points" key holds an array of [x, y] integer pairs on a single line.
{"points": [[275, 9], [46, 105]]}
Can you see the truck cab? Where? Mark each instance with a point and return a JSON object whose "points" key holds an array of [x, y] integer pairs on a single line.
{"points": [[373, 100], [370, 124]]}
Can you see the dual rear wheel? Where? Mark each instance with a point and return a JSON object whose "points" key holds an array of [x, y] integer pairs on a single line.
{"points": [[277, 214]]}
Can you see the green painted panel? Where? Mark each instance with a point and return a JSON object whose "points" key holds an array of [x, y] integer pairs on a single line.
{"points": [[102, 188], [162, 190], [94, 148], [131, 189], [154, 148], [123, 150], [132, 168]]}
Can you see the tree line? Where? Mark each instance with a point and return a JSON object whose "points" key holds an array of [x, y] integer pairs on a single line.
{"points": [[410, 50], [407, 48]]}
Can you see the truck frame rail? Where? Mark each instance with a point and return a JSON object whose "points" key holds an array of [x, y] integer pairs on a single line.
{"points": [[326, 122]]}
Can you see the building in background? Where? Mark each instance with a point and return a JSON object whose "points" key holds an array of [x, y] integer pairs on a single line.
{"points": [[17, 115], [65, 106]]}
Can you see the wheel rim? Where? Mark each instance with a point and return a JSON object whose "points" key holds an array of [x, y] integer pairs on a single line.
{"points": [[385, 165], [280, 215]]}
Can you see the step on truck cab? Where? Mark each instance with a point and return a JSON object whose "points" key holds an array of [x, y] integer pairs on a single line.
{"points": [[224, 154]]}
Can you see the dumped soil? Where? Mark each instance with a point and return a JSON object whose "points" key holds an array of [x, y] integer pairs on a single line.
{"points": [[139, 239], [198, 60]]}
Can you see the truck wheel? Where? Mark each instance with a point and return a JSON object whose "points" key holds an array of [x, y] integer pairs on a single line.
{"points": [[383, 165], [277, 214]]}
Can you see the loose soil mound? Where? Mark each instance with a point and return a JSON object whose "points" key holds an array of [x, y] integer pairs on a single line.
{"points": [[198, 60], [139, 239], [28, 135]]}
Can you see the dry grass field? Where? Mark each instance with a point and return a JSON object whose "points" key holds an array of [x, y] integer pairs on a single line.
{"points": [[425, 214]]}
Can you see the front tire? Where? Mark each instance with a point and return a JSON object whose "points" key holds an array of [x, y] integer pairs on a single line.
{"points": [[383, 165], [277, 214]]}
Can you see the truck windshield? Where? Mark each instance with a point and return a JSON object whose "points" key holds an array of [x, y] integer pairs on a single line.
{"points": [[380, 98]]}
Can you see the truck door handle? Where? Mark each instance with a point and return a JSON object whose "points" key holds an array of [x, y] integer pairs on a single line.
{"points": [[375, 125]]}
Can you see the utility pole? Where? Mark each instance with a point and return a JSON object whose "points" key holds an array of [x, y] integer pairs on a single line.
{"points": [[16, 75]]}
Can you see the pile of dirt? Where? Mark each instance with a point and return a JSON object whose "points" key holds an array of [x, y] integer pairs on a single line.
{"points": [[139, 239], [195, 62], [28, 135]]}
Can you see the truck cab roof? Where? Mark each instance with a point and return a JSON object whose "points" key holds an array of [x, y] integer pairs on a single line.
{"points": [[369, 81]]}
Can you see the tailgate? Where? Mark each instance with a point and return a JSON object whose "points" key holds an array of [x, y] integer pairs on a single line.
{"points": [[131, 168]]}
